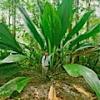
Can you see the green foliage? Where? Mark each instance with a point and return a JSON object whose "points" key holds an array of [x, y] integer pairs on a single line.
{"points": [[55, 23], [9, 66], [51, 26], [7, 41], [65, 11], [3, 54], [78, 26], [13, 58], [32, 27], [16, 84], [90, 76], [8, 70], [86, 35]]}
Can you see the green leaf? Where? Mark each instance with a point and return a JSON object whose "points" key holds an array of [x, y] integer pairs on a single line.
{"points": [[32, 27], [16, 84], [83, 45], [86, 35], [8, 70], [40, 5], [7, 41], [13, 58], [89, 75], [65, 11], [51, 25], [78, 26]]}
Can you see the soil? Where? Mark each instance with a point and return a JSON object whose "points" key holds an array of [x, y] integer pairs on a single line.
{"points": [[66, 87]]}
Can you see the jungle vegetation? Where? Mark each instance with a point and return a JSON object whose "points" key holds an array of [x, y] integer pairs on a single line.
{"points": [[69, 30]]}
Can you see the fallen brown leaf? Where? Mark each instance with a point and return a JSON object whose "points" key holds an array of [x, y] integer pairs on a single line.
{"points": [[81, 90], [52, 94]]}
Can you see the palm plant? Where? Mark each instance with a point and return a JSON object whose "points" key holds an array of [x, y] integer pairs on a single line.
{"points": [[55, 23], [53, 33]]}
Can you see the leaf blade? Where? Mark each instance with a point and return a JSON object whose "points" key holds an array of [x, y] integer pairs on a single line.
{"points": [[13, 85], [33, 29], [78, 26], [86, 35], [89, 75], [7, 41]]}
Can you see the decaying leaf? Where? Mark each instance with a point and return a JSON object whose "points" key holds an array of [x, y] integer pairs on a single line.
{"points": [[52, 94], [81, 90]]}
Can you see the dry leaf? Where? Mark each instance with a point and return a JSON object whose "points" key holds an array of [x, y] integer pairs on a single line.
{"points": [[52, 94], [82, 90], [36, 94]]}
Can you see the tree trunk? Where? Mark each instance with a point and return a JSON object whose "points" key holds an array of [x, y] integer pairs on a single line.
{"points": [[88, 8], [9, 14], [14, 18]]}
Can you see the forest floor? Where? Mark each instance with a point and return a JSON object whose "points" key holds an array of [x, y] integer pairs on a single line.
{"points": [[61, 87]]}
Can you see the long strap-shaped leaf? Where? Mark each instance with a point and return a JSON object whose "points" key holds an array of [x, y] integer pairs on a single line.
{"points": [[90, 76], [78, 26], [8, 70], [46, 23], [86, 35], [16, 84], [7, 41], [33, 29], [13, 58], [65, 11], [51, 25]]}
